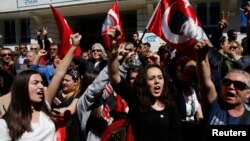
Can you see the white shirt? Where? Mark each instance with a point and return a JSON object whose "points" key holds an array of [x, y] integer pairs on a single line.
{"points": [[96, 64], [21, 59], [44, 130], [191, 105]]}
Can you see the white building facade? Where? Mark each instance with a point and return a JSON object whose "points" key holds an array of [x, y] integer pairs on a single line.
{"points": [[20, 18]]}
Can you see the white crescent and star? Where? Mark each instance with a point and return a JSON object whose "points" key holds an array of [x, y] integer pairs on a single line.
{"points": [[190, 28], [171, 37]]}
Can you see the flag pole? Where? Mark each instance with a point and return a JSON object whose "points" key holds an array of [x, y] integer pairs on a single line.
{"points": [[145, 30], [151, 18]]}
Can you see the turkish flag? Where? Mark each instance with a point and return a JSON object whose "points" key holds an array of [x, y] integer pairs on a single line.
{"points": [[65, 32], [175, 22], [112, 19]]}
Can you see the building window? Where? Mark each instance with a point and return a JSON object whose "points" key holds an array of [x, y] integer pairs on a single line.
{"points": [[209, 15], [202, 12], [91, 24], [25, 30], [214, 13], [9, 32]]}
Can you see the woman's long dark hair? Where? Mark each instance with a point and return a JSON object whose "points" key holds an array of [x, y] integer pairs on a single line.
{"points": [[145, 98], [19, 114]]}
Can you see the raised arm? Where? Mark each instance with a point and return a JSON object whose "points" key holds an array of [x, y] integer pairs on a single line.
{"points": [[41, 53], [62, 69], [207, 88], [46, 41], [113, 56], [91, 93], [222, 24], [39, 36]]}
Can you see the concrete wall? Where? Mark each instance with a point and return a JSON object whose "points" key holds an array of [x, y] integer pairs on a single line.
{"points": [[8, 5], [144, 14]]}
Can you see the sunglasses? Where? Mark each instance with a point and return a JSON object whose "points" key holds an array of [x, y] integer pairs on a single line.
{"points": [[96, 50], [9, 54], [237, 84], [33, 48], [130, 49], [233, 47], [23, 48]]}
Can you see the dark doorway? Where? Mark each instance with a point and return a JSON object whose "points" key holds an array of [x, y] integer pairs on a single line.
{"points": [[90, 26]]}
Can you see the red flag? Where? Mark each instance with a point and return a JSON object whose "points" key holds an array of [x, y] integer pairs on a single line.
{"points": [[112, 19], [65, 32], [175, 22]]}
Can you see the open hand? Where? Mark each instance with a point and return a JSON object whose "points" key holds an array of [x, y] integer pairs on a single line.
{"points": [[45, 31]]}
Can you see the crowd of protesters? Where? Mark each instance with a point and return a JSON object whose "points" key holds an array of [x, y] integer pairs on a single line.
{"points": [[124, 91]]}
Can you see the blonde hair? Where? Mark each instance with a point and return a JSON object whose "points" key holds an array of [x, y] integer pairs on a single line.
{"points": [[239, 47]]}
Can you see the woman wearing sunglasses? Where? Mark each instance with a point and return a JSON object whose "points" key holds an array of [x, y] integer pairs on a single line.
{"points": [[227, 106], [96, 62]]}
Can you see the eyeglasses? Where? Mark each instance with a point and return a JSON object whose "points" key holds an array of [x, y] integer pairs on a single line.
{"points": [[233, 47], [53, 49], [237, 84], [96, 50], [9, 54], [33, 48], [23, 48]]}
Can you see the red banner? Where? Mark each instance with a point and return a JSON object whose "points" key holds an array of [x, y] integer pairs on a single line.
{"points": [[175, 22], [65, 32], [112, 19]]}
